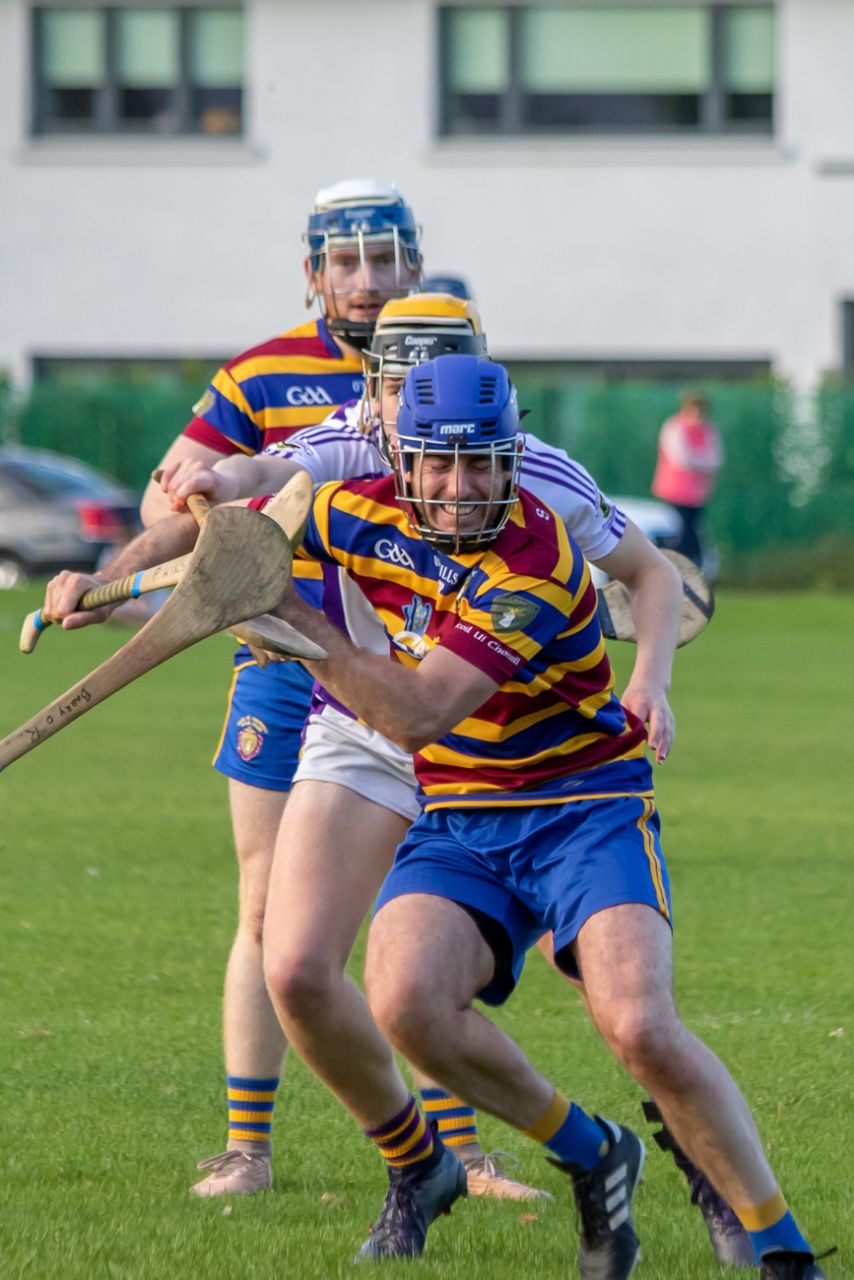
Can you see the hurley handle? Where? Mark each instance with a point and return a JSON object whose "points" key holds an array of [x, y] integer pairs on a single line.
{"points": [[197, 503]]}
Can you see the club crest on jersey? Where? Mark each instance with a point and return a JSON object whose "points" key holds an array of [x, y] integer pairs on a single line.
{"points": [[513, 613], [416, 619], [204, 404], [604, 506], [250, 737]]}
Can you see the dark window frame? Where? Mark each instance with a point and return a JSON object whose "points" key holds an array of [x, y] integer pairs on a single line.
{"points": [[712, 122], [106, 121]]}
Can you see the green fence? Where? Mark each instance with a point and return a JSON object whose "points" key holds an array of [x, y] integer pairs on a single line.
{"points": [[783, 512], [119, 428]]}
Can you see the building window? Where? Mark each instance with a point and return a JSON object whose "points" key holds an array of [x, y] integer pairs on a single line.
{"points": [[138, 70], [699, 68]]}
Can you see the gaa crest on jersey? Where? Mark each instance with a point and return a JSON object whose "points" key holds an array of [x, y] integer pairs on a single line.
{"points": [[604, 506], [250, 737], [512, 612], [204, 404]]}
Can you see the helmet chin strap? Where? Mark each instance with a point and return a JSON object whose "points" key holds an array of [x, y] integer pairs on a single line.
{"points": [[358, 334]]}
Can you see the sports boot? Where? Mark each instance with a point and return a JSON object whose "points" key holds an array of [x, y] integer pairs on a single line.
{"points": [[730, 1241], [235, 1173], [608, 1248], [487, 1175], [412, 1202], [785, 1264]]}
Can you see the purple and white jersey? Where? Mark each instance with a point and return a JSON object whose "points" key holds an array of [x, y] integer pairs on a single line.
{"points": [[338, 449]]}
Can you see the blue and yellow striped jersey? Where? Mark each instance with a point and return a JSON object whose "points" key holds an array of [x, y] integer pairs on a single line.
{"points": [[266, 394], [523, 612]]}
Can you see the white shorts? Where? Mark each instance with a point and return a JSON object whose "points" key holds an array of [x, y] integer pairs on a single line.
{"points": [[338, 749]]}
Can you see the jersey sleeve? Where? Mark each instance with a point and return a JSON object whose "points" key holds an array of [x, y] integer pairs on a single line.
{"points": [[594, 522], [224, 419], [331, 451]]}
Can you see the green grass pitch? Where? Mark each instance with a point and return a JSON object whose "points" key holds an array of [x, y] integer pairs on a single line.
{"points": [[116, 912]]}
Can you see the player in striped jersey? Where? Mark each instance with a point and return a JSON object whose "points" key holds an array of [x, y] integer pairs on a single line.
{"points": [[343, 759], [539, 816], [362, 248]]}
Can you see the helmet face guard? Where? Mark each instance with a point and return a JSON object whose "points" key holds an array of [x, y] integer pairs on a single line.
{"points": [[459, 408], [384, 260], [412, 331]]}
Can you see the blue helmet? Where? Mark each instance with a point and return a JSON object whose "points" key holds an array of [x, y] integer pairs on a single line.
{"points": [[461, 406], [355, 215], [456, 286]]}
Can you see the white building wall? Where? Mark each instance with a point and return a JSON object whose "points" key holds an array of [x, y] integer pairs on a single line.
{"points": [[705, 249]]}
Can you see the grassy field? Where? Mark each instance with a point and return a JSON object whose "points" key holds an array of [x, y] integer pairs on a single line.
{"points": [[116, 911]]}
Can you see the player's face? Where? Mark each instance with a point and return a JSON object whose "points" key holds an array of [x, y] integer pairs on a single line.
{"points": [[459, 495], [389, 401], [356, 281]]}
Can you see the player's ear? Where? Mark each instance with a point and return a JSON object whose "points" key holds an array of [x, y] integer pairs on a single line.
{"points": [[312, 283]]}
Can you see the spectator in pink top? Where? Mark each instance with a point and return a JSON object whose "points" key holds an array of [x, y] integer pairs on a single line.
{"points": [[689, 455]]}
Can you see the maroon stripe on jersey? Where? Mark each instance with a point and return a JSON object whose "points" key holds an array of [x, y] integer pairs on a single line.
{"points": [[284, 346], [203, 433], [536, 538], [393, 596], [509, 707], [533, 776]]}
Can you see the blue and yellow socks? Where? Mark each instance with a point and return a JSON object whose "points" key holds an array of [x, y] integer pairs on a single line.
{"points": [[455, 1121], [405, 1142], [572, 1136], [250, 1112], [771, 1226]]}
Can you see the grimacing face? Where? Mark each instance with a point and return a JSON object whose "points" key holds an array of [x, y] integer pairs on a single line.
{"points": [[459, 495]]}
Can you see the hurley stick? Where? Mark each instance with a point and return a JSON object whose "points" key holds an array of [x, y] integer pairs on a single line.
{"points": [[129, 588], [698, 604], [288, 508], [240, 568]]}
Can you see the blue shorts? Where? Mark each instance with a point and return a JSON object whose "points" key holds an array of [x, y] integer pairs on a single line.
{"points": [[261, 738], [531, 870]]}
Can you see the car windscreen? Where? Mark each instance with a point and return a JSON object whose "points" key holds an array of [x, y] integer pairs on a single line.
{"points": [[53, 481]]}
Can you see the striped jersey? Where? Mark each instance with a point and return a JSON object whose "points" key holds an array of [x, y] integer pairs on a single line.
{"points": [[524, 613], [339, 449], [273, 390]]}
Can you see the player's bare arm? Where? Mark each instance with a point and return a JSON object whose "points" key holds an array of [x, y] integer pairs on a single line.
{"points": [[412, 706], [168, 538], [228, 480], [656, 595]]}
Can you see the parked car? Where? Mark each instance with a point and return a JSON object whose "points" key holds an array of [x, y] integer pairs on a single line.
{"points": [[662, 524], [57, 513]]}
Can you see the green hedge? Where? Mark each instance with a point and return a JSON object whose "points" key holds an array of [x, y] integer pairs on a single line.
{"points": [[119, 428], [788, 480], [785, 497]]}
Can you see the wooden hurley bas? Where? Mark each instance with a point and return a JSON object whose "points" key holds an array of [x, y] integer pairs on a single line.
{"points": [[239, 569]]}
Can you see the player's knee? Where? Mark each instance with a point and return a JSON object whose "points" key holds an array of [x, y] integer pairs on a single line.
{"points": [[642, 1036], [299, 986], [405, 1010]]}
